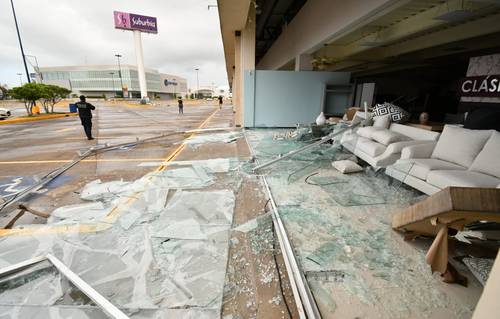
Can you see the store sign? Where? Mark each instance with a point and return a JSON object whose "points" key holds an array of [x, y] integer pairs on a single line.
{"points": [[480, 86], [131, 21], [167, 83]]}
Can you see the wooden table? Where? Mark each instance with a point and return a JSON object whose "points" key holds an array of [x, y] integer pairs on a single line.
{"points": [[452, 207]]}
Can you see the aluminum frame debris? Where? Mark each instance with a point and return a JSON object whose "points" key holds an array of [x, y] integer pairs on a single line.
{"points": [[304, 300], [321, 141], [109, 309]]}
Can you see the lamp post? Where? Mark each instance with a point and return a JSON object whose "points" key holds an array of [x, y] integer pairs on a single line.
{"points": [[20, 42], [197, 83], [175, 88], [118, 56], [113, 77], [20, 78]]}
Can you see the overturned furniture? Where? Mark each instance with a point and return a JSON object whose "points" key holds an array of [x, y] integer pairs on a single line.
{"points": [[451, 208]]}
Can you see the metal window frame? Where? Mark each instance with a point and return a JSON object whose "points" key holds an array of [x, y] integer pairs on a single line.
{"points": [[109, 309]]}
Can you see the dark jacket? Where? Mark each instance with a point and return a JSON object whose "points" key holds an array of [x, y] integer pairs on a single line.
{"points": [[84, 109]]}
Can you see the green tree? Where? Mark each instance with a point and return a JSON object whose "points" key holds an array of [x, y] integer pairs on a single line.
{"points": [[29, 93], [52, 94]]}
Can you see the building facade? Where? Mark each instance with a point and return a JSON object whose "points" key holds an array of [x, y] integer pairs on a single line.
{"points": [[414, 52], [105, 80]]}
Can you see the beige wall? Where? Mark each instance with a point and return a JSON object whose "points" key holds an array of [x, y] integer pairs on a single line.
{"points": [[319, 22], [247, 61]]}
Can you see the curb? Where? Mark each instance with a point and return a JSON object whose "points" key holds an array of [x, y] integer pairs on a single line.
{"points": [[34, 119]]}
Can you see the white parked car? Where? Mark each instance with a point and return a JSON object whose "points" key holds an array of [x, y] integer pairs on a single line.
{"points": [[4, 113]]}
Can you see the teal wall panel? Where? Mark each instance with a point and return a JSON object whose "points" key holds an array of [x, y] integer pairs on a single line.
{"points": [[285, 98]]}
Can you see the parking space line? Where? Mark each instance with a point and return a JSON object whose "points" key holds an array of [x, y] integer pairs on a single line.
{"points": [[66, 129]]}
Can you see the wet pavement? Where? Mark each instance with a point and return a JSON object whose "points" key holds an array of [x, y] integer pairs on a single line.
{"points": [[30, 150], [187, 240]]}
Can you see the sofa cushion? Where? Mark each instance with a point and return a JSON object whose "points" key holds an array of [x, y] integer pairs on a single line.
{"points": [[382, 121], [370, 147], [414, 133], [367, 131], [422, 166], [387, 137], [461, 178], [459, 145], [346, 166], [488, 160]]}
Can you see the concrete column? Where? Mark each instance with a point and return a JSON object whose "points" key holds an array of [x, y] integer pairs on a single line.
{"points": [[237, 79], [140, 64], [247, 53], [303, 62]]}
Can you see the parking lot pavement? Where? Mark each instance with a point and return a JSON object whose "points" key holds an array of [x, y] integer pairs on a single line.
{"points": [[33, 149]]}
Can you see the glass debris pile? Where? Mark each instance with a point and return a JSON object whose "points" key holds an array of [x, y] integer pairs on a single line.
{"points": [[339, 225], [153, 247]]}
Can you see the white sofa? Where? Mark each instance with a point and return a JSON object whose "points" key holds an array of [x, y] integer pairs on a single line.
{"points": [[380, 147], [461, 157]]}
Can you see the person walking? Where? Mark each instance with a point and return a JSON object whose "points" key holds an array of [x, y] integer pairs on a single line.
{"points": [[220, 101], [181, 105], [85, 113]]}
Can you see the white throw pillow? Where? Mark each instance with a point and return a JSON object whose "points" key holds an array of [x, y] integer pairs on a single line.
{"points": [[460, 145], [367, 131], [488, 160], [346, 166], [383, 121], [387, 137]]}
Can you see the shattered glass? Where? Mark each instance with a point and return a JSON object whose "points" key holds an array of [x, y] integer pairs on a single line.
{"points": [[213, 138], [195, 215], [153, 247], [340, 228]]}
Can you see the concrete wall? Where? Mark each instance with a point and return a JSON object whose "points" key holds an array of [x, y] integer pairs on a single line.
{"points": [[285, 98], [318, 22]]}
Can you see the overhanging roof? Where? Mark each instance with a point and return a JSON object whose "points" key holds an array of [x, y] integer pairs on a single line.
{"points": [[233, 16]]}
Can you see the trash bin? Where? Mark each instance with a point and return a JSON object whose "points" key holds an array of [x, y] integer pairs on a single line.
{"points": [[35, 109], [72, 108]]}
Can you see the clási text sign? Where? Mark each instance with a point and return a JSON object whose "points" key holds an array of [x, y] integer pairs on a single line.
{"points": [[480, 86]]}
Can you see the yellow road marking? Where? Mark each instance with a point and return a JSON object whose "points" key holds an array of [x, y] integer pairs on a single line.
{"points": [[85, 161], [106, 223]]}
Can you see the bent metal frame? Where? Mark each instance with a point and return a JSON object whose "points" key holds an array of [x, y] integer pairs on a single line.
{"points": [[111, 310]]}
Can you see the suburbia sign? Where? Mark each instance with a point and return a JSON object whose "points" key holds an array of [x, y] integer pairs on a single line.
{"points": [[131, 21], [480, 86]]}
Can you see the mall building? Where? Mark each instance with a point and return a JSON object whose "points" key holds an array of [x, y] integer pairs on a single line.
{"points": [[105, 80]]}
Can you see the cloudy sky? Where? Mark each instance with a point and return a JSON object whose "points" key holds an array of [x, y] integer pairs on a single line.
{"points": [[64, 32]]}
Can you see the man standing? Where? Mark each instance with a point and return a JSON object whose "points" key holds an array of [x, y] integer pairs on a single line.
{"points": [[85, 113], [181, 105], [220, 101]]}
